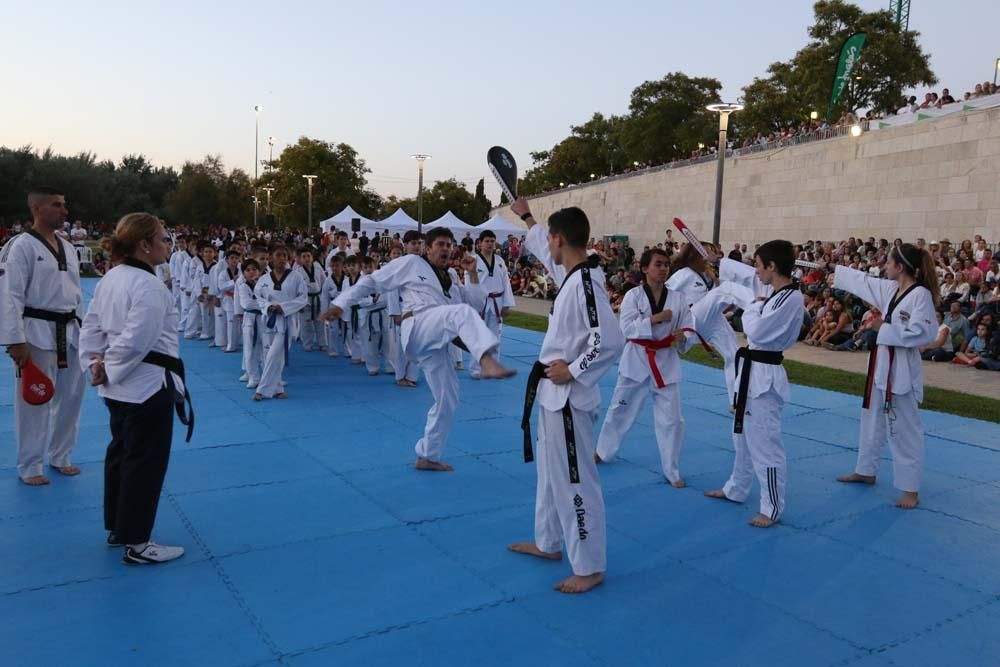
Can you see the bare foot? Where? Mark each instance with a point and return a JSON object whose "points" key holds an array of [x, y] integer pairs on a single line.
{"points": [[855, 478], [37, 480], [258, 397], [357, 362], [720, 494], [281, 395], [761, 521], [406, 383], [679, 484], [578, 584], [491, 369], [69, 471], [531, 549], [907, 501], [435, 466]]}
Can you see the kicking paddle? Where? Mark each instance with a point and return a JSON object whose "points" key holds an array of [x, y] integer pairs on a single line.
{"points": [[36, 386], [504, 169], [807, 265], [691, 238]]}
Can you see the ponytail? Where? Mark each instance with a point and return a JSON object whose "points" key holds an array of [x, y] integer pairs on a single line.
{"points": [[920, 264]]}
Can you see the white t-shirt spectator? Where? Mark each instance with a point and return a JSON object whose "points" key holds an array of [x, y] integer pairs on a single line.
{"points": [[947, 347], [78, 235]]}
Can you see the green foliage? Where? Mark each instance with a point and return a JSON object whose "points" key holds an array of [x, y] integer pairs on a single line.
{"points": [[95, 191], [891, 62], [340, 182], [441, 197]]}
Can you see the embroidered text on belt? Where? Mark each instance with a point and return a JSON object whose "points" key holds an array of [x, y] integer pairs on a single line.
{"points": [[653, 346], [492, 296], [746, 357], [60, 320], [175, 365], [531, 390]]}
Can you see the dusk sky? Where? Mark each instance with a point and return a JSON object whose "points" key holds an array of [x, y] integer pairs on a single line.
{"points": [[179, 80]]}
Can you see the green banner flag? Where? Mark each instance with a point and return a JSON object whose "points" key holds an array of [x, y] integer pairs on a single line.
{"points": [[849, 54]]}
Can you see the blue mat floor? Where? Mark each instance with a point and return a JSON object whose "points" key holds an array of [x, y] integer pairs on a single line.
{"points": [[312, 541]]}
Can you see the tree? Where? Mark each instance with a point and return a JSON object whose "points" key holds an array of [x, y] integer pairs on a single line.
{"points": [[592, 148], [668, 118], [891, 61], [340, 180]]}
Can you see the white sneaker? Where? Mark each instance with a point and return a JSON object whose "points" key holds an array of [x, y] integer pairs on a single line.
{"points": [[151, 554], [244, 378]]}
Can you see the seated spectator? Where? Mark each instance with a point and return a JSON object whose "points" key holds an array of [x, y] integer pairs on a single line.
{"points": [[941, 349], [958, 323], [826, 324], [974, 348], [617, 281], [843, 328], [946, 98], [991, 358], [866, 335], [515, 281]]}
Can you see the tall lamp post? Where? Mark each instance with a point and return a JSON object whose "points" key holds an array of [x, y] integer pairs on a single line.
{"points": [[256, 144], [270, 153], [723, 109], [995, 70], [420, 158], [309, 179], [268, 190]]}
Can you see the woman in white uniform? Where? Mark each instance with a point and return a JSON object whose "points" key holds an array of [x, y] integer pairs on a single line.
{"points": [[895, 383], [129, 342]]}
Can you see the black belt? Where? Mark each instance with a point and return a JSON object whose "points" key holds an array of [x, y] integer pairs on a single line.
{"points": [[61, 320], [314, 305], [371, 325], [537, 375], [255, 312], [175, 365], [748, 357]]}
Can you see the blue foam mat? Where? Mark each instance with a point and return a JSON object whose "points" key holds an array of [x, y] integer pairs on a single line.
{"points": [[312, 540]]}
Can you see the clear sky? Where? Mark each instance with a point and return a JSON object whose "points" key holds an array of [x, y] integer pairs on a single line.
{"points": [[178, 80]]}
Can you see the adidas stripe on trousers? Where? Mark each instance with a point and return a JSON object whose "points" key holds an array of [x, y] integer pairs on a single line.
{"points": [[760, 453]]}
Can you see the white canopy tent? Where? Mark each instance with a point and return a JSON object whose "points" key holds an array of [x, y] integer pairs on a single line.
{"points": [[343, 219], [501, 226], [451, 221], [397, 222]]}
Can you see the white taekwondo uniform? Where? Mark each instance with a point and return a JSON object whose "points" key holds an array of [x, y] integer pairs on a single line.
{"points": [[336, 332], [650, 365], [708, 318], [895, 384], [252, 331], [495, 279], [289, 293], [442, 311], [569, 504], [310, 326], [40, 304]]}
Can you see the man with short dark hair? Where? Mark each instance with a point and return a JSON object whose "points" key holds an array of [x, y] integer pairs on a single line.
{"points": [[436, 313], [40, 306], [581, 344]]}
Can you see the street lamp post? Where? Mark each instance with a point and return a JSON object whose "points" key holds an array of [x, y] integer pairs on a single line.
{"points": [[270, 153], [268, 190], [420, 158], [309, 179], [256, 144], [723, 109], [995, 70]]}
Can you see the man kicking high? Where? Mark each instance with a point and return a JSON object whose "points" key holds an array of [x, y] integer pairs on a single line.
{"points": [[582, 342], [436, 312]]}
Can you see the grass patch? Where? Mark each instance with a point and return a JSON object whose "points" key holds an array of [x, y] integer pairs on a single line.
{"points": [[822, 377]]}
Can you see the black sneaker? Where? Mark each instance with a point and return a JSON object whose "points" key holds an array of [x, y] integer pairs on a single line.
{"points": [[151, 554], [113, 540]]}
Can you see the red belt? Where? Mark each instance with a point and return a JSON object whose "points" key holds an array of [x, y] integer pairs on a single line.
{"points": [[652, 346], [496, 309], [229, 294]]}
